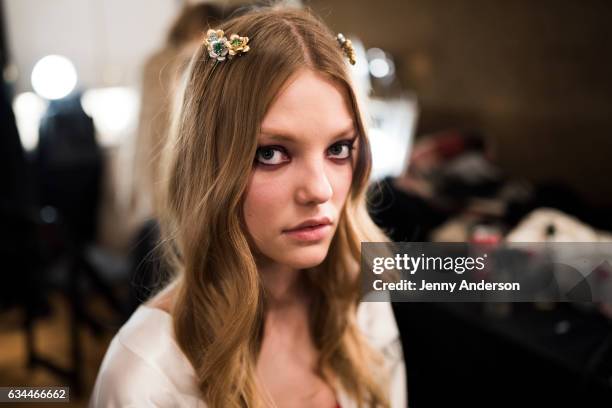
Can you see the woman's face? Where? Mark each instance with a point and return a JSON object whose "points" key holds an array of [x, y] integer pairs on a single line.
{"points": [[302, 172]]}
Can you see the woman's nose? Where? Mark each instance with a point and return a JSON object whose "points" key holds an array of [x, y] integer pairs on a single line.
{"points": [[313, 184]]}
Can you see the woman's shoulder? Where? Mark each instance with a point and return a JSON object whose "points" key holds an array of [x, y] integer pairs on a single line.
{"points": [[144, 365], [377, 322]]}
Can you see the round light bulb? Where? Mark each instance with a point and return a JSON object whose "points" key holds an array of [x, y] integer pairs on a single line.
{"points": [[54, 77]]}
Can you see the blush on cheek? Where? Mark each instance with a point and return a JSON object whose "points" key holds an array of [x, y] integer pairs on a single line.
{"points": [[263, 197], [264, 200], [266, 190]]}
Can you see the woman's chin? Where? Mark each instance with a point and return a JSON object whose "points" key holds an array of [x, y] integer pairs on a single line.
{"points": [[306, 257]]}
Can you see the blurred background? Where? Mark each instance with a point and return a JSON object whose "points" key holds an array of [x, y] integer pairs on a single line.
{"points": [[490, 121]]}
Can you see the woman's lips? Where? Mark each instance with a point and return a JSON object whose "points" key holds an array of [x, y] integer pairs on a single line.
{"points": [[312, 233]]}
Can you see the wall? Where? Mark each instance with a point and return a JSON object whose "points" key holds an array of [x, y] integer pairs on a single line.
{"points": [[107, 40]]}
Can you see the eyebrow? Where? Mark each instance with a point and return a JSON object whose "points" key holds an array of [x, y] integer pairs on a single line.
{"points": [[287, 137]]}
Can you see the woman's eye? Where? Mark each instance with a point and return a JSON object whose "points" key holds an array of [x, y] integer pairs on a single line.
{"points": [[341, 150], [271, 156]]}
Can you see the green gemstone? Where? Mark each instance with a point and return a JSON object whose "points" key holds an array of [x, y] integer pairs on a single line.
{"points": [[218, 47], [236, 41]]}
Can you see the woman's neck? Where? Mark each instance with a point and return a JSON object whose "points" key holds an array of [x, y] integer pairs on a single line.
{"points": [[284, 286]]}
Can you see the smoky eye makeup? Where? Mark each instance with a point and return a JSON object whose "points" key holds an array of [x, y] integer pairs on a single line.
{"points": [[342, 149], [274, 155], [271, 155]]}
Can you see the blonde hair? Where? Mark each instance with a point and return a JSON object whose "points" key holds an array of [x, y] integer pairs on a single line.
{"points": [[219, 306]]}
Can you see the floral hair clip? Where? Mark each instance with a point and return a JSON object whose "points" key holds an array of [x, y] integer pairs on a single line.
{"points": [[347, 48], [220, 48]]}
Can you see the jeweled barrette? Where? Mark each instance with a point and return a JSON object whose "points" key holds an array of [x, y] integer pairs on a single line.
{"points": [[220, 48], [347, 48]]}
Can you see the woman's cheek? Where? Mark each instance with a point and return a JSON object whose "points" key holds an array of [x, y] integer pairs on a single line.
{"points": [[268, 191], [342, 183], [263, 196]]}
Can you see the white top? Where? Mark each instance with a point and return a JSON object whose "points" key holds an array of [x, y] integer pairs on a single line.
{"points": [[144, 366]]}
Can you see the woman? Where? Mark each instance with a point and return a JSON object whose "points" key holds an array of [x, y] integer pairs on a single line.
{"points": [[265, 177]]}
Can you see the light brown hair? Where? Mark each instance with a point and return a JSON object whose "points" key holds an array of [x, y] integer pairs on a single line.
{"points": [[220, 304], [190, 21]]}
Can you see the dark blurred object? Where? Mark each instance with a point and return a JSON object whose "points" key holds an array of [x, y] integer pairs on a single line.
{"points": [[403, 214], [18, 242], [459, 355], [146, 266], [14, 192], [432, 150], [69, 165], [455, 164]]}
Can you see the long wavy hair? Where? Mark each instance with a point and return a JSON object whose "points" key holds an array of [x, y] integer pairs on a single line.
{"points": [[219, 306]]}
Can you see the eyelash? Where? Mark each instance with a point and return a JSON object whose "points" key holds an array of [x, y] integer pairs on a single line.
{"points": [[348, 143]]}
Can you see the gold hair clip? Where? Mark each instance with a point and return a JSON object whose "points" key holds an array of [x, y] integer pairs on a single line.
{"points": [[220, 48], [347, 48]]}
